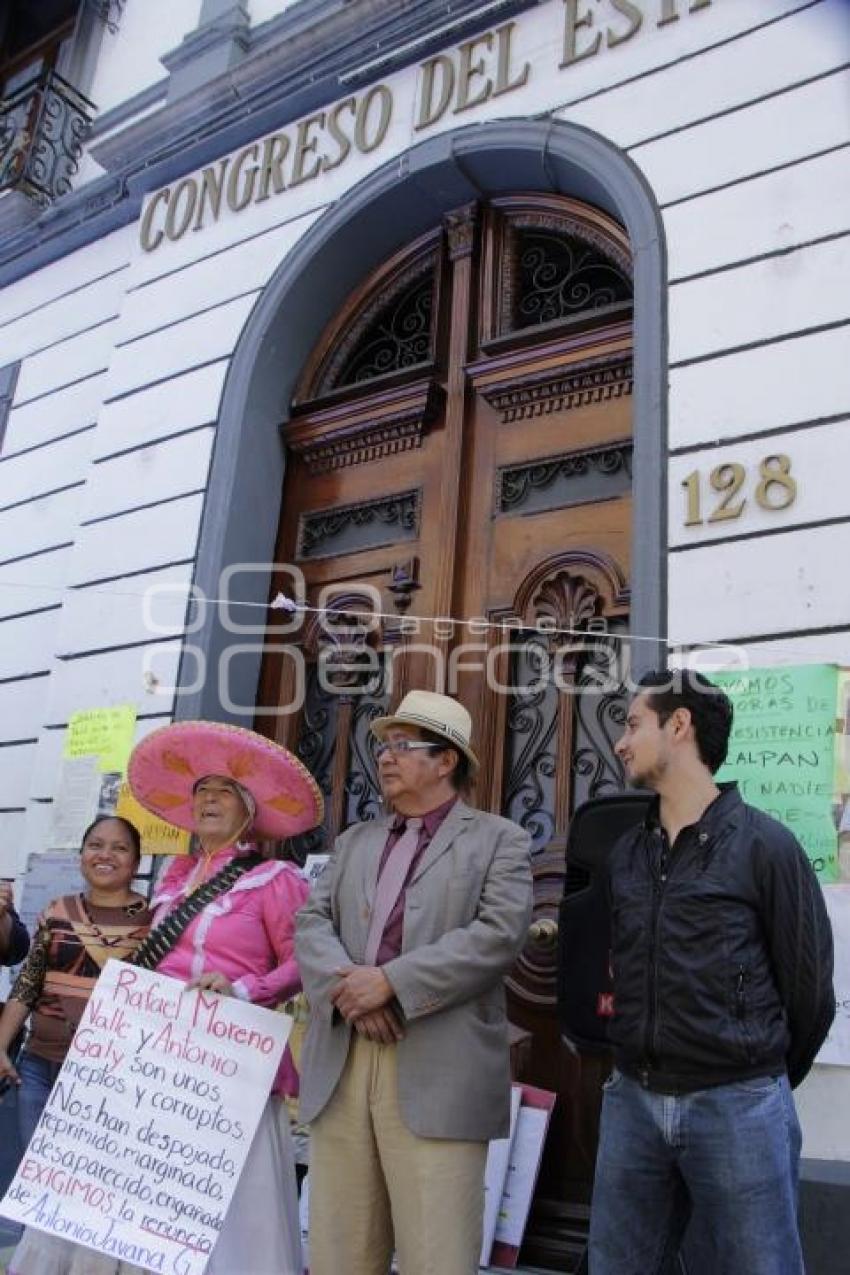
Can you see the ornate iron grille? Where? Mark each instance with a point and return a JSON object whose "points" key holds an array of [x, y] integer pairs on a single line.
{"points": [[558, 482], [363, 795], [318, 740], [597, 702], [561, 276], [601, 701], [315, 747], [42, 127], [532, 720], [398, 337], [366, 525]]}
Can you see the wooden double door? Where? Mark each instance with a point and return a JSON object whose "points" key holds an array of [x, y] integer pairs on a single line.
{"points": [[456, 515]]}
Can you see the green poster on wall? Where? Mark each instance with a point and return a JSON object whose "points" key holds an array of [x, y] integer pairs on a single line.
{"points": [[782, 751]]}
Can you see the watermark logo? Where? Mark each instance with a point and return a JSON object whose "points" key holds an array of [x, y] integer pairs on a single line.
{"points": [[350, 646]]}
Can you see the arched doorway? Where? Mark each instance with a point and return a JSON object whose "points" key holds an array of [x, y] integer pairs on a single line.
{"points": [[459, 446], [390, 212]]}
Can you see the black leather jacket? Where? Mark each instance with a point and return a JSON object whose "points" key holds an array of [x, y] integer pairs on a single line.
{"points": [[721, 951]]}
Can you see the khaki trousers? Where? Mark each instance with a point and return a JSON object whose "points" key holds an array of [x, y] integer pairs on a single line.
{"points": [[372, 1181]]}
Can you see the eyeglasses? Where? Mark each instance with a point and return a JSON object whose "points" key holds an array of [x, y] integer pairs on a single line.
{"points": [[398, 747]]}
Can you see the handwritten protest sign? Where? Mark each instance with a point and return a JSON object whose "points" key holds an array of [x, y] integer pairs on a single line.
{"points": [[97, 745], [105, 732], [842, 774], [145, 1133], [782, 751]]}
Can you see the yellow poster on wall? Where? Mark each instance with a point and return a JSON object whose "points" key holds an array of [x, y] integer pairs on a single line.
{"points": [[158, 837], [94, 764], [98, 743], [106, 733]]}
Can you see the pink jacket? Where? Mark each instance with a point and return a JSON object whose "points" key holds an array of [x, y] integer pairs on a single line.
{"points": [[247, 934]]}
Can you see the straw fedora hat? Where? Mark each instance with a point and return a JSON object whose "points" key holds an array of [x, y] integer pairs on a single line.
{"points": [[439, 714]]}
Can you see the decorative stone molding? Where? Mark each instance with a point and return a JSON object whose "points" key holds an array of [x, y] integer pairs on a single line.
{"points": [[572, 478], [594, 381], [354, 528], [222, 39], [404, 582], [545, 590], [350, 434], [460, 230], [300, 55]]}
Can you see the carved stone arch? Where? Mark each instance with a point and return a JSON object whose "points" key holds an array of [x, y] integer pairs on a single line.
{"points": [[376, 218], [572, 589], [386, 326]]}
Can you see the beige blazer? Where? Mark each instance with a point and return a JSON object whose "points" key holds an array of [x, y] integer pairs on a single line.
{"points": [[466, 916]]}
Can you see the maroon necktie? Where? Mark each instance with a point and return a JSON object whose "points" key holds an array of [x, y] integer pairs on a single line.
{"points": [[390, 885]]}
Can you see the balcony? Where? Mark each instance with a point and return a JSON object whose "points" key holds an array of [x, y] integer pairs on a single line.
{"points": [[42, 127]]}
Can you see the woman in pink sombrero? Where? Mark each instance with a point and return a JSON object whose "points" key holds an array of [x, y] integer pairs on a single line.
{"points": [[224, 919]]}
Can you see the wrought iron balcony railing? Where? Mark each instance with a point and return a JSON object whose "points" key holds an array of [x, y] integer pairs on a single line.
{"points": [[42, 127]]}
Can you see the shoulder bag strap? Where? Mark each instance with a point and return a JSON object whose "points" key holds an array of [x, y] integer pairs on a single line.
{"points": [[165, 937]]}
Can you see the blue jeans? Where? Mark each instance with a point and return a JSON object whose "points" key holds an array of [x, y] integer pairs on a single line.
{"points": [[720, 1162], [37, 1077]]}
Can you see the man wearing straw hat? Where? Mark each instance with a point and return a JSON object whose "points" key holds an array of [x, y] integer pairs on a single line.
{"points": [[403, 947]]}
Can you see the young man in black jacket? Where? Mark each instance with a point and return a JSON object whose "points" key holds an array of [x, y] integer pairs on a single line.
{"points": [[722, 960]]}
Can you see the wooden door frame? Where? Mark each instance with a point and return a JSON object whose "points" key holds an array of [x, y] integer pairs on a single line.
{"points": [[384, 211]]}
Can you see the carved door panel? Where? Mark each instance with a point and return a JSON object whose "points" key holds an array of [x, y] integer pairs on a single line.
{"points": [[355, 542], [460, 448], [361, 509], [549, 549]]}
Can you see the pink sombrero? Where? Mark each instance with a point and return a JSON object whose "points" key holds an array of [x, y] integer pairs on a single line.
{"points": [[165, 765]]}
